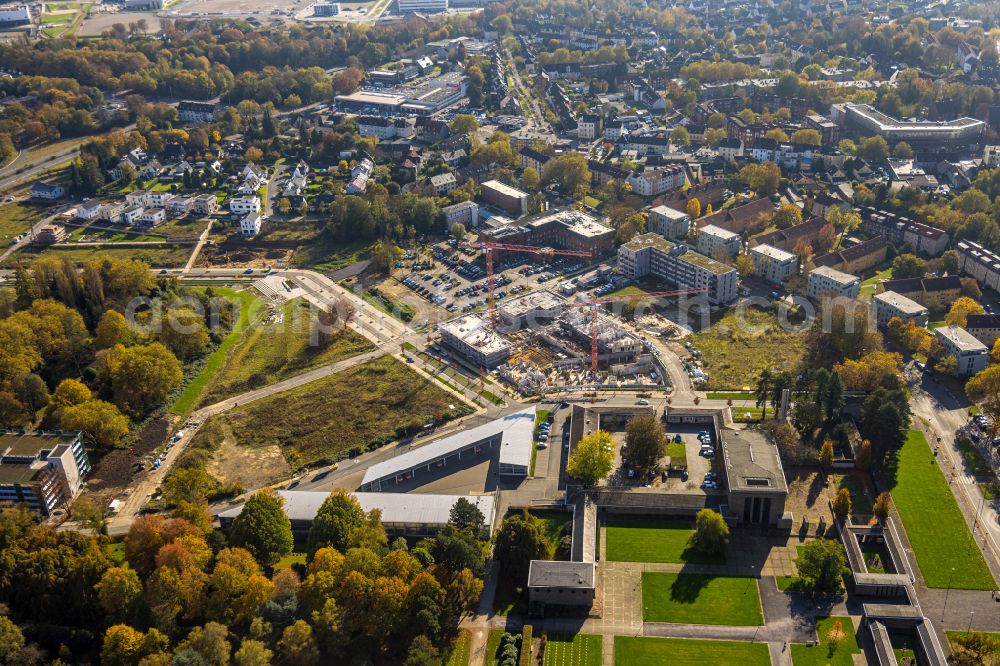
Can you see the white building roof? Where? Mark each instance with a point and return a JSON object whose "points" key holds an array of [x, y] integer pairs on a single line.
{"points": [[516, 432], [961, 340], [773, 253], [395, 507], [900, 303], [840, 277], [718, 232], [669, 213]]}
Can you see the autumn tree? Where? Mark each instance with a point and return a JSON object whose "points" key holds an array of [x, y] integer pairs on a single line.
{"points": [[744, 265], [826, 455], [693, 208], [761, 178], [863, 458], [125, 646], [711, 533], [100, 422], [842, 503], [984, 390], [336, 522], [645, 443], [882, 507], [569, 172], [112, 329], [519, 541], [960, 310], [788, 215], [593, 458], [821, 564], [263, 528]]}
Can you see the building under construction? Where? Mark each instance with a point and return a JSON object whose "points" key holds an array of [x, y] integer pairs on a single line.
{"points": [[545, 341]]}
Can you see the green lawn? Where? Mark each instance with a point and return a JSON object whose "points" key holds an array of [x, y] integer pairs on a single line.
{"points": [[946, 553], [832, 650], [492, 645], [731, 395], [649, 539], [249, 307], [324, 255], [735, 349], [158, 257], [288, 560], [861, 498], [677, 452], [16, 218], [632, 650], [275, 350], [683, 598], [460, 649], [364, 407], [869, 285], [573, 650]]}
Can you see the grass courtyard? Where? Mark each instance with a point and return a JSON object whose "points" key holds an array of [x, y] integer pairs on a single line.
{"points": [[279, 348], [837, 644], [648, 539], [736, 348], [573, 650], [946, 552], [360, 408], [683, 598], [631, 650]]}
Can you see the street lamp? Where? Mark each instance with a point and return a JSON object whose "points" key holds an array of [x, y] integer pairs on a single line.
{"points": [[948, 592]]}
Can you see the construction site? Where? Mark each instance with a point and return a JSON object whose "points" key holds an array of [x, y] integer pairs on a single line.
{"points": [[542, 342]]}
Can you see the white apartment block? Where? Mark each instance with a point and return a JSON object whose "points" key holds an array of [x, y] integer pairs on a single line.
{"points": [[673, 262], [890, 304], [669, 223], [152, 217], [971, 354], [588, 127], [979, 263], [826, 281], [711, 237], [130, 215], [244, 205], [656, 181], [772, 264]]}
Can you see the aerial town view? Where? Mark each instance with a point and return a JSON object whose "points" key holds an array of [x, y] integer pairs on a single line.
{"points": [[500, 332]]}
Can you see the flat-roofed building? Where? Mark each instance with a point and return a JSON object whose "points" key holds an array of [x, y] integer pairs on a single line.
{"points": [[510, 438], [935, 293], [471, 336], [889, 304], [772, 264], [403, 514], [711, 238], [937, 138], [504, 197], [421, 6], [979, 263], [41, 470], [971, 355], [754, 477], [566, 229], [651, 254], [523, 311], [825, 282], [561, 583], [465, 213], [669, 222]]}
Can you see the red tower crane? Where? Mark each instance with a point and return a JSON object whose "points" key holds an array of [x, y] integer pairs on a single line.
{"points": [[594, 302], [489, 249]]}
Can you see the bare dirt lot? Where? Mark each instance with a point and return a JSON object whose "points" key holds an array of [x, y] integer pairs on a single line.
{"points": [[254, 467], [98, 23], [191, 8]]}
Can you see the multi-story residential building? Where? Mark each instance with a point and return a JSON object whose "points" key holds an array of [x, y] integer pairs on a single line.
{"points": [[385, 128], [711, 238], [444, 182], [244, 205], [937, 294], [41, 470], [589, 127], [465, 213], [669, 222], [651, 254], [360, 175], [651, 182], [740, 218], [179, 206], [730, 148], [196, 112], [829, 131], [787, 239], [984, 327], [534, 159], [473, 338], [130, 215], [889, 304], [613, 130], [927, 138], [772, 264], [971, 354], [47, 191], [158, 199], [15, 15], [50, 234], [111, 211], [137, 198], [763, 149], [825, 282], [991, 156], [89, 209], [504, 197], [207, 204], [899, 230], [152, 216], [857, 258], [979, 263], [250, 224]]}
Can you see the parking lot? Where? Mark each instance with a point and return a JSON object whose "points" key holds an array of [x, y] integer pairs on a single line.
{"points": [[461, 286]]}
